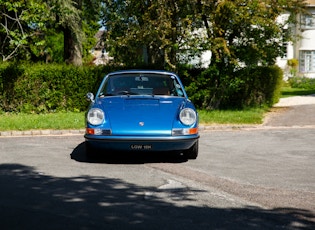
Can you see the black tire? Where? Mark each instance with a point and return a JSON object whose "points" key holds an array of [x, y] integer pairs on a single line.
{"points": [[192, 153]]}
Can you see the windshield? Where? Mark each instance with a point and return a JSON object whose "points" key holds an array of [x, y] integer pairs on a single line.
{"points": [[141, 84]]}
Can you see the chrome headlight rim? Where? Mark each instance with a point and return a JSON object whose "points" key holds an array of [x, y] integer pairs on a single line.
{"points": [[188, 116], [95, 116]]}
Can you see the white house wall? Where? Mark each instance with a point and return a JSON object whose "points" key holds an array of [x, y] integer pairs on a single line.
{"points": [[306, 43]]}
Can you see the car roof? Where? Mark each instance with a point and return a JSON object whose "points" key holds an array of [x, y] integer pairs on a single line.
{"points": [[143, 71]]}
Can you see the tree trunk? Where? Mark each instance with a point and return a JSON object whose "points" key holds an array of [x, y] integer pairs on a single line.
{"points": [[72, 48], [72, 42]]}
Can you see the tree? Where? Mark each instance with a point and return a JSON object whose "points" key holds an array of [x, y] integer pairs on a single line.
{"points": [[247, 31], [67, 16], [28, 28], [22, 23], [76, 18], [150, 32], [237, 32], [243, 34], [91, 13]]}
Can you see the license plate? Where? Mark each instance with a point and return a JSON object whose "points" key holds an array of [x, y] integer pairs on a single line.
{"points": [[141, 147]]}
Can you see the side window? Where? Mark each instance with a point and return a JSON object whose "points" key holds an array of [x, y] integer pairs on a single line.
{"points": [[106, 89], [179, 89], [176, 88]]}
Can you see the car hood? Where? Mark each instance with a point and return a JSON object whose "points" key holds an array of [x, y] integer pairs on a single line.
{"points": [[142, 115]]}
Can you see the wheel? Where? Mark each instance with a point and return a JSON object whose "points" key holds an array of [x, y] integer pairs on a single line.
{"points": [[192, 153]]}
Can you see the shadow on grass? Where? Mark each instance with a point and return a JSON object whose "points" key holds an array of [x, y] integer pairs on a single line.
{"points": [[301, 92], [29, 200]]}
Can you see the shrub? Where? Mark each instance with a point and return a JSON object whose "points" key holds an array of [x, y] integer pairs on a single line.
{"points": [[261, 86], [45, 88], [8, 75], [302, 82], [38, 88], [248, 87], [293, 65]]}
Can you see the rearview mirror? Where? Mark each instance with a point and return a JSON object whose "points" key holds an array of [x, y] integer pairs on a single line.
{"points": [[90, 97]]}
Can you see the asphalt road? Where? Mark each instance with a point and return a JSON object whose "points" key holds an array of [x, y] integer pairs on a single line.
{"points": [[243, 179]]}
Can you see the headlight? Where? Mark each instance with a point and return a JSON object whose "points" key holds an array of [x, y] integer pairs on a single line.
{"points": [[95, 116], [188, 116]]}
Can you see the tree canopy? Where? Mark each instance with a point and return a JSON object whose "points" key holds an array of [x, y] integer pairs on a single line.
{"points": [[31, 29], [159, 32], [22, 24]]}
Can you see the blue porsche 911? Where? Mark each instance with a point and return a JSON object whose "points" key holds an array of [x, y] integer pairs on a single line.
{"points": [[141, 110]]}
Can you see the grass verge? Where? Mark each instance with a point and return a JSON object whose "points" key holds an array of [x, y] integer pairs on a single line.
{"points": [[248, 116], [55, 121], [22, 122]]}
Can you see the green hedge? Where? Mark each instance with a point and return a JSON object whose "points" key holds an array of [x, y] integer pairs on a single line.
{"points": [[47, 88], [248, 87], [41, 88], [261, 86]]}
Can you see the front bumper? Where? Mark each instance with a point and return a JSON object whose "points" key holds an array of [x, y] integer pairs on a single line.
{"points": [[142, 143]]}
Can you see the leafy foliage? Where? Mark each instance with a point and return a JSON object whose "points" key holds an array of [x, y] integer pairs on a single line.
{"points": [[241, 35], [302, 83], [244, 38], [21, 23], [250, 87], [27, 27], [237, 32], [47, 88], [151, 32]]}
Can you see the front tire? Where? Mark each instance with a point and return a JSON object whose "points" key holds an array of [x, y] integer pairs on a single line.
{"points": [[192, 153]]}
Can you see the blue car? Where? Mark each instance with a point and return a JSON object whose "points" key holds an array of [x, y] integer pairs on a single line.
{"points": [[141, 110]]}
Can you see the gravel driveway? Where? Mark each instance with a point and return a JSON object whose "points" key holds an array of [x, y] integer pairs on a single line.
{"points": [[298, 111]]}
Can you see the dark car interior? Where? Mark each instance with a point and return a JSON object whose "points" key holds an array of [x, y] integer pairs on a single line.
{"points": [[142, 84]]}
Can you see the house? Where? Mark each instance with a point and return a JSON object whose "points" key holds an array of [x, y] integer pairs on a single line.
{"points": [[101, 56], [303, 49]]}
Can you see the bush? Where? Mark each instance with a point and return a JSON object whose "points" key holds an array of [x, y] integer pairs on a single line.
{"points": [[8, 75], [261, 86], [45, 88], [41, 88], [248, 87], [302, 82]]}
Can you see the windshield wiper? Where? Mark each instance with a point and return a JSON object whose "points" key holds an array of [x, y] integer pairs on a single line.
{"points": [[126, 92]]}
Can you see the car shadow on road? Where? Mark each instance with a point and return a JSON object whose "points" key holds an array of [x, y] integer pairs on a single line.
{"points": [[30, 200], [132, 157]]}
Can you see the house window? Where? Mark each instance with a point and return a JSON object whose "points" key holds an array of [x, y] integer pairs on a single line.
{"points": [[308, 21], [284, 50], [307, 61]]}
